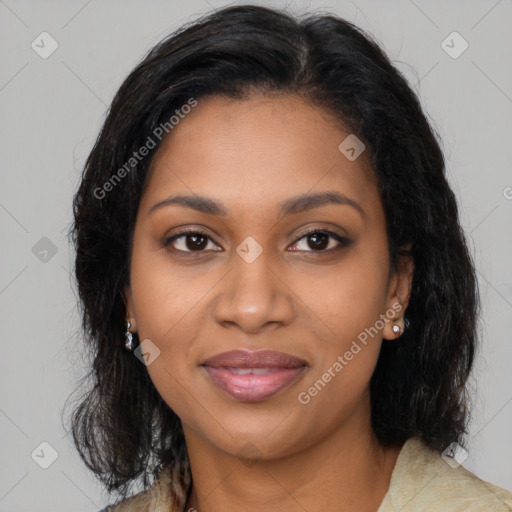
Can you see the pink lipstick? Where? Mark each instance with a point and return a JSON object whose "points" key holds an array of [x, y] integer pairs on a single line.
{"points": [[253, 376]]}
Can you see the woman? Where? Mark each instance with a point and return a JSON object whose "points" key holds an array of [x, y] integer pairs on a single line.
{"points": [[274, 280]]}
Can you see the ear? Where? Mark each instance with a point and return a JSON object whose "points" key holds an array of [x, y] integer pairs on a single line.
{"points": [[130, 312], [399, 293]]}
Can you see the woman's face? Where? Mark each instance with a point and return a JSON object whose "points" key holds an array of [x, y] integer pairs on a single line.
{"points": [[257, 281]]}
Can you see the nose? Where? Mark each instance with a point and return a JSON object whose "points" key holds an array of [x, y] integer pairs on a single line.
{"points": [[253, 297]]}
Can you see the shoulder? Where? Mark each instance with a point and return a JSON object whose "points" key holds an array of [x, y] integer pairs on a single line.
{"points": [[168, 493], [140, 502], [424, 481]]}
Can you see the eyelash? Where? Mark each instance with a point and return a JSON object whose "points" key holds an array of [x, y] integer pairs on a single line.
{"points": [[342, 241]]}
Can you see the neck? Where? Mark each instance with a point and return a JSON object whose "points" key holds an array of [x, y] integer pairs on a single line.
{"points": [[346, 471]]}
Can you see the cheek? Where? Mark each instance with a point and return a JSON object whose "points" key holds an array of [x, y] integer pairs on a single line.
{"points": [[168, 308], [337, 383], [347, 305], [346, 299], [167, 298]]}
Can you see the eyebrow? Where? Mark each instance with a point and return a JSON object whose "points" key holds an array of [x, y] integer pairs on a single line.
{"points": [[294, 205]]}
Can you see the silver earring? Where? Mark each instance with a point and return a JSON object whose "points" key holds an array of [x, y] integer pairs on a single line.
{"points": [[128, 337], [399, 330]]}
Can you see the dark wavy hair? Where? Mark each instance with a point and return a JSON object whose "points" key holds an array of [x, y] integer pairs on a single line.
{"points": [[122, 428]]}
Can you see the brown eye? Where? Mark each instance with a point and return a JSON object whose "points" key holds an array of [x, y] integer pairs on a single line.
{"points": [[189, 241], [320, 240]]}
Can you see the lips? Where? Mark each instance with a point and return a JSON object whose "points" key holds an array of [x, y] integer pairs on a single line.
{"points": [[259, 359], [253, 376]]}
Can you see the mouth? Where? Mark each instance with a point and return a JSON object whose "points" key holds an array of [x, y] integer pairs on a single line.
{"points": [[253, 376]]}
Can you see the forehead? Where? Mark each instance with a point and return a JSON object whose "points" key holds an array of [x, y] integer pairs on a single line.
{"points": [[255, 153]]}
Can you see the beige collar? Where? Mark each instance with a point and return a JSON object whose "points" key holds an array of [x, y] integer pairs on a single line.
{"points": [[421, 480]]}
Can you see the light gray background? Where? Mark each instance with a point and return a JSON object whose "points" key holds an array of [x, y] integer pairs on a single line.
{"points": [[51, 112]]}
